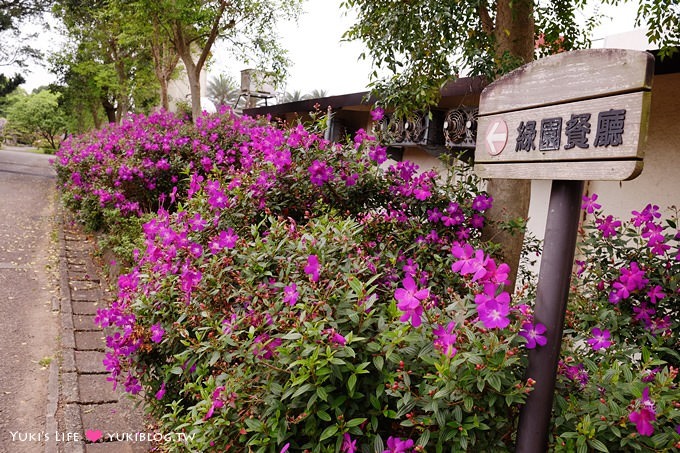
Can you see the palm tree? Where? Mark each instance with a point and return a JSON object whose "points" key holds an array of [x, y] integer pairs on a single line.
{"points": [[293, 97], [316, 94], [298, 96], [222, 90]]}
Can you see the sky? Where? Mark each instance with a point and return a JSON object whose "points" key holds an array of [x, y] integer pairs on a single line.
{"points": [[320, 60]]}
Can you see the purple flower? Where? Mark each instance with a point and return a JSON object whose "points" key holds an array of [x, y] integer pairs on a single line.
{"points": [[608, 226], [482, 202], [290, 294], [161, 392], [225, 240], [655, 294], [533, 334], [338, 339], [378, 153], [649, 375], [396, 445], [409, 298], [445, 339], [348, 445], [645, 415], [265, 347], [189, 279], [600, 339], [312, 268], [132, 384], [576, 373], [157, 333], [285, 448], [216, 404], [319, 173], [647, 215], [377, 114], [589, 204], [197, 223], [216, 196], [494, 313], [469, 261]]}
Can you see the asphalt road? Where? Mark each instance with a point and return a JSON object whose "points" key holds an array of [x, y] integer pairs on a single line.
{"points": [[28, 284]]}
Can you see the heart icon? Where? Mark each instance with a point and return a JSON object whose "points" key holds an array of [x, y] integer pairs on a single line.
{"points": [[93, 435]]}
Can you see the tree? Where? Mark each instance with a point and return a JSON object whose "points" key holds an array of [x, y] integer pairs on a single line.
{"points": [[12, 49], [246, 26], [38, 113], [222, 90], [8, 85], [293, 96], [417, 46], [103, 61], [316, 94]]}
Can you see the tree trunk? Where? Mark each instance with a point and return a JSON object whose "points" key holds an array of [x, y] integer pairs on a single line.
{"points": [[94, 108], [183, 47], [514, 33], [165, 103], [195, 89], [110, 110]]}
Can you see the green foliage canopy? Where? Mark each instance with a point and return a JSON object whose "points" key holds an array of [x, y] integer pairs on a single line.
{"points": [[416, 46], [39, 114]]}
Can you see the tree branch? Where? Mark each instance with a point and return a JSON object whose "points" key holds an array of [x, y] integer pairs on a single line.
{"points": [[214, 33]]}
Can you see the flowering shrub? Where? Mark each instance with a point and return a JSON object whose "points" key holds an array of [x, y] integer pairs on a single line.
{"points": [[618, 380], [291, 295], [300, 297]]}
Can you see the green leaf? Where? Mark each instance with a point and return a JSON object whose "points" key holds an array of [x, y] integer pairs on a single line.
{"points": [[292, 336], [328, 432], [323, 415], [379, 362], [424, 438], [494, 381], [322, 393], [351, 384], [598, 445], [468, 403], [356, 422], [378, 445], [304, 388]]}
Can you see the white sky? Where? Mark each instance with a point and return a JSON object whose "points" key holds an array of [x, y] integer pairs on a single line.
{"points": [[320, 60]]}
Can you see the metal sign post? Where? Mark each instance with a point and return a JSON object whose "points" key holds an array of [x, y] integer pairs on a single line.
{"points": [[570, 117], [551, 304]]}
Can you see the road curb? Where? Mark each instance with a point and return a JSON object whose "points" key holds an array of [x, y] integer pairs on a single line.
{"points": [[69, 420], [81, 400]]}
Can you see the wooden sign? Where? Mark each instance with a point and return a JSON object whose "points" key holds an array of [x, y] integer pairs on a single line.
{"points": [[578, 115]]}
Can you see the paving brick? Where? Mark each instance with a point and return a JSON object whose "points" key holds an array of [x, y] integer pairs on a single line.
{"points": [[91, 340], [94, 388], [85, 283], [84, 322], [112, 418], [75, 261], [85, 294], [90, 362], [87, 307]]}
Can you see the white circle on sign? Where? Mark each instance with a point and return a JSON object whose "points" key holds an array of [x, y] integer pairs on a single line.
{"points": [[496, 137]]}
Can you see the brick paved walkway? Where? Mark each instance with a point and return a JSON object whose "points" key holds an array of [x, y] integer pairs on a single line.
{"points": [[87, 403]]}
